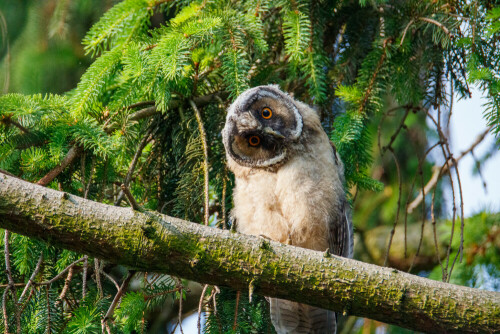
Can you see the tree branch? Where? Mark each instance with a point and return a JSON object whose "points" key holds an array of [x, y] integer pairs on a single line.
{"points": [[73, 152], [439, 171], [153, 242]]}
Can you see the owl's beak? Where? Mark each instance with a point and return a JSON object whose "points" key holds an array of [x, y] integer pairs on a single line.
{"points": [[272, 132]]}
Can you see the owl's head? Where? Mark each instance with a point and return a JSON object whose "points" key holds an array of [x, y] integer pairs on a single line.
{"points": [[260, 127]]}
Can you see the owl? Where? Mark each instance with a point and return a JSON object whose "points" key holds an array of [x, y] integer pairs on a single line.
{"points": [[288, 188]]}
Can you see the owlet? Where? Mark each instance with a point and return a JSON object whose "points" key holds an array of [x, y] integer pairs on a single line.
{"points": [[288, 188]]}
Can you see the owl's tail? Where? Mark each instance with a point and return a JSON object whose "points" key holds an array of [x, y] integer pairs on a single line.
{"points": [[296, 318]]}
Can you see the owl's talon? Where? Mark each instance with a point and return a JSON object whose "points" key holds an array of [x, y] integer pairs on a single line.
{"points": [[265, 237], [289, 239]]}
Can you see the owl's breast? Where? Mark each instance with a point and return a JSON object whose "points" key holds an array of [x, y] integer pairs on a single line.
{"points": [[291, 204]]}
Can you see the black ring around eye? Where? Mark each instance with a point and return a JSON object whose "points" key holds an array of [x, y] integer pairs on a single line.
{"points": [[254, 140], [266, 113]]}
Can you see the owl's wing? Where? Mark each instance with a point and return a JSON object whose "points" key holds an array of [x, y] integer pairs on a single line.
{"points": [[340, 239]]}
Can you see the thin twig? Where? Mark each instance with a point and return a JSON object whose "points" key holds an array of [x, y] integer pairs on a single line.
{"points": [[439, 24], [32, 277], [130, 198], [235, 324], [84, 275], [8, 269], [405, 31], [223, 200], [374, 77], [133, 163], [111, 279], [200, 304], [73, 152], [179, 319], [4, 310], [97, 269], [436, 170], [118, 295], [400, 182], [65, 288], [48, 309], [203, 136], [421, 239], [149, 297], [58, 276], [92, 169]]}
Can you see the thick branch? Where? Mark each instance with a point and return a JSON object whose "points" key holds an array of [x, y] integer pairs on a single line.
{"points": [[153, 242]]}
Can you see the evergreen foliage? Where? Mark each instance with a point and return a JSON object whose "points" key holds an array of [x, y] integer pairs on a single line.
{"points": [[352, 61]]}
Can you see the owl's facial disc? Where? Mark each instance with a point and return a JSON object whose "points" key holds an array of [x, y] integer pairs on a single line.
{"points": [[260, 125], [256, 147]]}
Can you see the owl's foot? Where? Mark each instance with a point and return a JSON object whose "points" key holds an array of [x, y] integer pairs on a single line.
{"points": [[289, 239], [265, 237]]}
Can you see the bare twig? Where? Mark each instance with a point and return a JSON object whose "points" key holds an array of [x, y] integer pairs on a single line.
{"points": [[235, 324], [149, 297], [97, 269], [374, 77], [32, 277], [4, 310], [223, 200], [111, 279], [180, 305], [203, 136], [133, 163], [58, 276], [84, 275], [65, 288], [118, 295], [140, 104], [436, 23], [400, 182], [200, 304], [92, 169], [130, 198], [73, 152], [405, 31], [437, 171], [8, 269]]}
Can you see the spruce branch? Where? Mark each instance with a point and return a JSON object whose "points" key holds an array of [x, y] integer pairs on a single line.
{"points": [[18, 125], [203, 135], [436, 23], [138, 239], [368, 91]]}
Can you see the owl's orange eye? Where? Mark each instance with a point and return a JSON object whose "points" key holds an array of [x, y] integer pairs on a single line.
{"points": [[266, 113], [254, 140]]}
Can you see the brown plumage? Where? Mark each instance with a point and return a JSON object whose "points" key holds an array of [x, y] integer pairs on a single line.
{"points": [[288, 188]]}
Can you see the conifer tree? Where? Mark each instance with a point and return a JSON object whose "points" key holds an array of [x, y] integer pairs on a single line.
{"points": [[141, 127]]}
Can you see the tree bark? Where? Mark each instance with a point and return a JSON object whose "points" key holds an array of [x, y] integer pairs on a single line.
{"points": [[150, 241]]}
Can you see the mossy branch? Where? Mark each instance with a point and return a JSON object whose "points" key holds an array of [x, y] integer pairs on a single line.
{"points": [[150, 241]]}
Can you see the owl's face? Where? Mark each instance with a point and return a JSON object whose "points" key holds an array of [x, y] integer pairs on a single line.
{"points": [[260, 127]]}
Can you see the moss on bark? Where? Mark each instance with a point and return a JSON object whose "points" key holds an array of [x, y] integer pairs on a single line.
{"points": [[154, 242]]}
